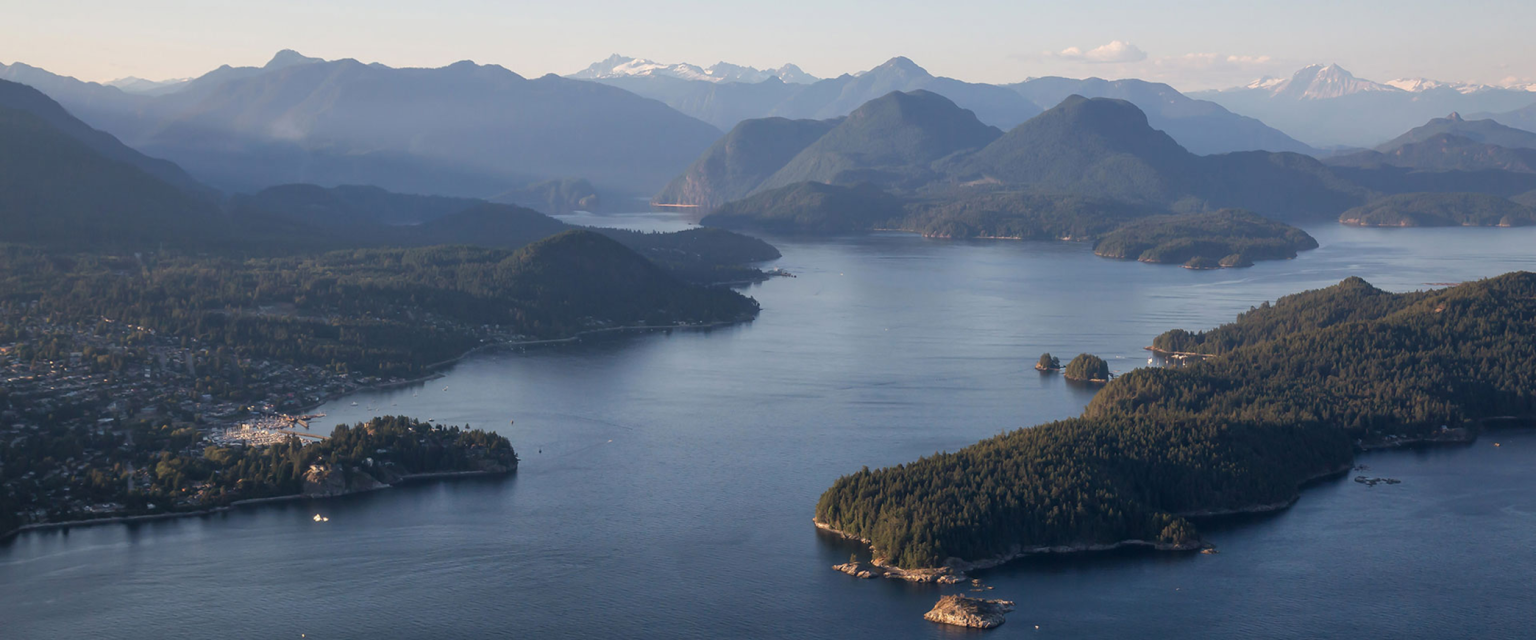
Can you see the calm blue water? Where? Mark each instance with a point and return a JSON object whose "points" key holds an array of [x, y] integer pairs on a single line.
{"points": [[668, 480]]}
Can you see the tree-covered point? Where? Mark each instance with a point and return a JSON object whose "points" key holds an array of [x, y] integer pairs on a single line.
{"points": [[378, 311], [1048, 362], [1228, 238], [1440, 210], [163, 466], [1297, 384], [1088, 368]]}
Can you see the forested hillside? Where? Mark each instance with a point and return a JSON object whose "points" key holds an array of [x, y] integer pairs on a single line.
{"points": [[379, 311], [1297, 386]]}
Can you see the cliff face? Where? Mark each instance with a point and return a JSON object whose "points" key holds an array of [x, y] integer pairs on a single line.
{"points": [[976, 613]]}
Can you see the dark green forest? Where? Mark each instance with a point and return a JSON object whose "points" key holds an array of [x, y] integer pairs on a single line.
{"points": [[1226, 238], [378, 311], [160, 471], [1440, 210], [1229, 238], [1087, 367], [1295, 389]]}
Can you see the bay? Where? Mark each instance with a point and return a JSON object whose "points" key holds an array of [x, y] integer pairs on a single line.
{"points": [[669, 479]]}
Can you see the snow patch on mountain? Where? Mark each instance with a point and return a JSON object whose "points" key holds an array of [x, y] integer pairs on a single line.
{"points": [[618, 66], [1419, 85]]}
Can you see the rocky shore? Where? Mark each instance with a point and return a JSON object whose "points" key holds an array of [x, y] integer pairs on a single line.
{"points": [[327, 484], [867, 570], [976, 613], [954, 570]]}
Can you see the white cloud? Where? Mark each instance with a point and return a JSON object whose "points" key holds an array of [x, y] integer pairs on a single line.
{"points": [[1114, 52], [1217, 62]]}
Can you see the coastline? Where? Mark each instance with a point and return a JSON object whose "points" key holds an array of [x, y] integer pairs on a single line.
{"points": [[1178, 354], [491, 346], [954, 570], [406, 479], [171, 515], [576, 337]]}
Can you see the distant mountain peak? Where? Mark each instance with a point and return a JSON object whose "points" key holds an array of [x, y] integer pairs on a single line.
{"points": [[288, 58], [1319, 82], [1454, 117], [621, 66], [902, 64]]}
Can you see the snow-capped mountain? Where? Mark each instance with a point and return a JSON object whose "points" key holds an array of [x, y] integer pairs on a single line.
{"points": [[1419, 85], [1322, 82], [1266, 82], [617, 66], [1319, 82], [1325, 106]]}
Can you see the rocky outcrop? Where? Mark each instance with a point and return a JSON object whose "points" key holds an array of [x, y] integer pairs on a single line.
{"points": [[327, 480], [976, 613], [941, 575]]}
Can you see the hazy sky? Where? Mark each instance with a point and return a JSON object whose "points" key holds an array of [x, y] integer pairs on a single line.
{"points": [[1190, 44]]}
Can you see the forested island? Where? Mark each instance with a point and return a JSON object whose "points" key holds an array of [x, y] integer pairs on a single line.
{"points": [[1217, 240], [1213, 239], [1291, 392], [1440, 210], [1087, 367]]}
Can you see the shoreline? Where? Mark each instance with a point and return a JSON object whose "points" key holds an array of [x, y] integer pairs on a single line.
{"points": [[491, 346], [407, 479], [1178, 354], [172, 515], [954, 570]]}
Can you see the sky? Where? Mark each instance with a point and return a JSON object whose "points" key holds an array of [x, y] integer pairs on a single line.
{"points": [[1192, 44]]}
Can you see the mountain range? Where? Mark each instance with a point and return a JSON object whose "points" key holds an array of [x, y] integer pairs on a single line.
{"points": [[891, 141], [617, 66], [724, 104], [1201, 126], [559, 144], [464, 129], [1452, 143], [21, 97], [67, 186], [1093, 147], [57, 189], [1327, 106], [1524, 118]]}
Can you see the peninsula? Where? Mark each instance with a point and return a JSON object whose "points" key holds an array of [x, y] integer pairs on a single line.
{"points": [[1240, 431]]}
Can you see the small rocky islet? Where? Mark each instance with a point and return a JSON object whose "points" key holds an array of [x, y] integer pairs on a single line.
{"points": [[965, 611]]}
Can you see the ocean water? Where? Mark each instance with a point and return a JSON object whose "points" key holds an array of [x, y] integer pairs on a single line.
{"points": [[669, 479]]}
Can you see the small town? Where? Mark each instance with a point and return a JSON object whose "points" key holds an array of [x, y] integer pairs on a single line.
{"points": [[99, 382]]}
